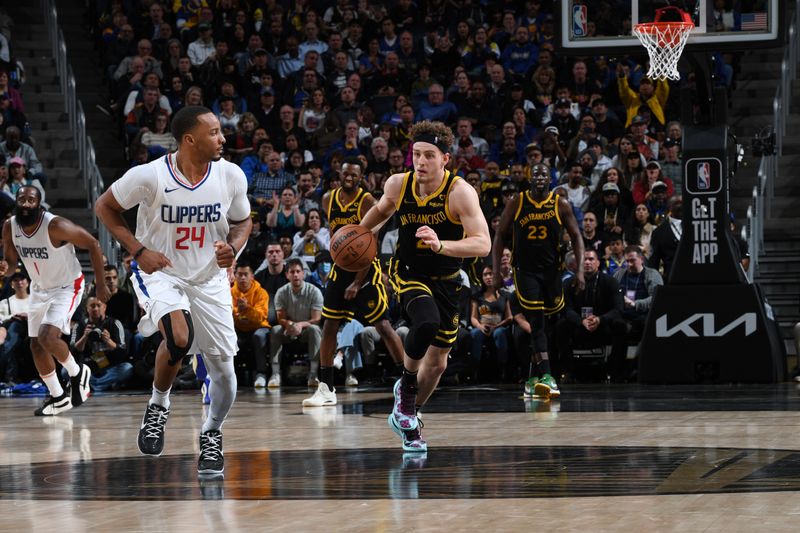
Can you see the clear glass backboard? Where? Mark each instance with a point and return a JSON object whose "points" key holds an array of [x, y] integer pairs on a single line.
{"points": [[593, 26]]}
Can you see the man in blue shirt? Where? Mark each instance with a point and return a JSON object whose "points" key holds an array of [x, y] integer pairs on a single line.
{"points": [[436, 109], [521, 54]]}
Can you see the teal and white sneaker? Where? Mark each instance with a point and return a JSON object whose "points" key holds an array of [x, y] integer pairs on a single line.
{"points": [[404, 412], [530, 386], [547, 387], [412, 439]]}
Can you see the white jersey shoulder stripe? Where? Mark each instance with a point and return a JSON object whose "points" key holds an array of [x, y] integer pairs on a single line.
{"points": [[186, 185]]}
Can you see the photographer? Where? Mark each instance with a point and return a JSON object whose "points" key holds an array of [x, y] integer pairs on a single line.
{"points": [[100, 342]]}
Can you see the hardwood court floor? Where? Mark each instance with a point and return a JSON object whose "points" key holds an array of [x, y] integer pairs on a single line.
{"points": [[603, 458]]}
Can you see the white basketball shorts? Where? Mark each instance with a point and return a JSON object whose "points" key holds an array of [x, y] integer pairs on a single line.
{"points": [[209, 303], [54, 307]]}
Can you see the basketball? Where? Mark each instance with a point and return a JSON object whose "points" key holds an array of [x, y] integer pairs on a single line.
{"points": [[353, 247]]}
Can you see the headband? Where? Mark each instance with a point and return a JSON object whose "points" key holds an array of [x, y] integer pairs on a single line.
{"points": [[435, 140]]}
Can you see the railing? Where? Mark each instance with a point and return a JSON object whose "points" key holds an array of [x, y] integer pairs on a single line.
{"points": [[764, 191], [77, 124]]}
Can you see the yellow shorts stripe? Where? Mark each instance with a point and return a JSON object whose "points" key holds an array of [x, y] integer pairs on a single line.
{"points": [[448, 340], [337, 314]]}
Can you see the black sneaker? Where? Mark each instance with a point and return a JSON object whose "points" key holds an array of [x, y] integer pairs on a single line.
{"points": [[151, 434], [52, 406], [211, 460], [79, 386]]}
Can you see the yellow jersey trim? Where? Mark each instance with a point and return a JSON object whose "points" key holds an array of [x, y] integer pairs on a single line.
{"points": [[424, 201], [447, 212], [402, 191], [555, 207], [344, 208]]}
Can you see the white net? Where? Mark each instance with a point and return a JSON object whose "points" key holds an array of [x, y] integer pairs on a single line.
{"points": [[664, 42]]}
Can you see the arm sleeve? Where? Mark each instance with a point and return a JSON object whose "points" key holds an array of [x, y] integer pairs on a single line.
{"points": [[316, 300], [626, 95], [136, 186], [297, 247], [118, 336], [662, 92], [240, 205], [248, 167], [652, 279], [324, 238], [258, 311], [5, 310], [279, 297]]}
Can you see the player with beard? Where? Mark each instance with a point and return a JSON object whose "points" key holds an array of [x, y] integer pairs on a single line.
{"points": [[350, 295], [193, 219], [46, 245], [535, 219], [440, 224]]}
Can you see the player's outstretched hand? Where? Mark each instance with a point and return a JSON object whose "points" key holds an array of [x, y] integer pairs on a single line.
{"points": [[151, 261], [101, 292], [224, 253], [429, 238]]}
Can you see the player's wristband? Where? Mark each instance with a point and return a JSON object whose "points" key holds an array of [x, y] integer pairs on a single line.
{"points": [[235, 251], [139, 252], [441, 247]]}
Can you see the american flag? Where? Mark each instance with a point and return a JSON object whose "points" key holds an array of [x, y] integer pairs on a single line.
{"points": [[754, 21]]}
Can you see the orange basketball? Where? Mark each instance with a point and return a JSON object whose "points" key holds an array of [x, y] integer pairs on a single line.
{"points": [[353, 247]]}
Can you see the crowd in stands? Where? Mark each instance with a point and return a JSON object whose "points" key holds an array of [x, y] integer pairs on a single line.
{"points": [[300, 85]]}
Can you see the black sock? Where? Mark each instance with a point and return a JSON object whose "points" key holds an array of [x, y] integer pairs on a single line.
{"points": [[326, 376], [543, 366], [409, 381]]}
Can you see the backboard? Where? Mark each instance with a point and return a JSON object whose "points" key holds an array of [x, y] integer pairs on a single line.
{"points": [[603, 27]]}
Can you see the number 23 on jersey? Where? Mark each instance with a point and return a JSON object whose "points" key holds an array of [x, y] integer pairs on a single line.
{"points": [[537, 233]]}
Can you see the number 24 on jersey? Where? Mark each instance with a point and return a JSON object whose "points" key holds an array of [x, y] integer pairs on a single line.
{"points": [[192, 234]]}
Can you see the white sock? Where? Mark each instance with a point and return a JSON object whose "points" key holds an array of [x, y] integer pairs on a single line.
{"points": [[160, 398], [71, 366], [52, 383], [222, 392]]}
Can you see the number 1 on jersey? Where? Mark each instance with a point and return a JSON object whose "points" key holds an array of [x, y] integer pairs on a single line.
{"points": [[191, 234]]}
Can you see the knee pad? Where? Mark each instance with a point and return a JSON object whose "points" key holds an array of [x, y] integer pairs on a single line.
{"points": [[177, 353], [424, 325]]}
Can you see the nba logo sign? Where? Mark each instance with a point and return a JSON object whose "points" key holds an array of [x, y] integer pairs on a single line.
{"points": [[579, 21], [703, 176]]}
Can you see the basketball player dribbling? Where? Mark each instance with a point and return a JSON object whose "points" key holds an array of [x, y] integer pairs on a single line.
{"points": [[440, 224], [193, 219], [350, 295], [46, 245], [535, 219]]}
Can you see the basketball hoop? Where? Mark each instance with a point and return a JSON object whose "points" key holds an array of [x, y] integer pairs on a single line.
{"points": [[664, 42]]}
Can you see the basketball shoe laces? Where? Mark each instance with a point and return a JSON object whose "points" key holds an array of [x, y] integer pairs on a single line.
{"points": [[156, 420], [211, 448], [414, 434], [407, 402]]}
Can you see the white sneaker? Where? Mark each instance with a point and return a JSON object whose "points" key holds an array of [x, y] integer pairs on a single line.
{"points": [[260, 382], [323, 397], [313, 382], [274, 381], [351, 381]]}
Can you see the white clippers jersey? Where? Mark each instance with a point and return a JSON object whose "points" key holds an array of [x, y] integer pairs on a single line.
{"points": [[48, 266], [181, 220]]}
